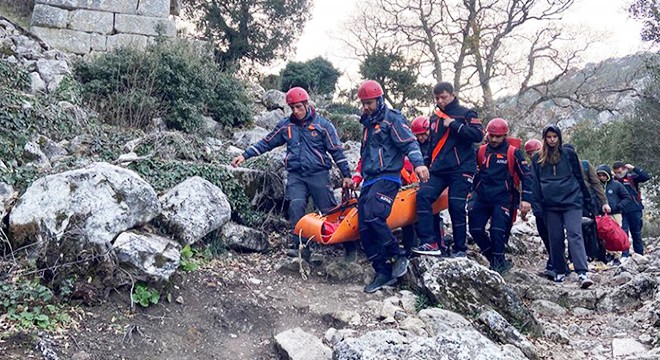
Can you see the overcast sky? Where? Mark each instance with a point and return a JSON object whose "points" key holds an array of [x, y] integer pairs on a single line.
{"points": [[319, 37]]}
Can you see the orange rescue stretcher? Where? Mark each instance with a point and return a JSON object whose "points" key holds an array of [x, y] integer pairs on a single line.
{"points": [[341, 223]]}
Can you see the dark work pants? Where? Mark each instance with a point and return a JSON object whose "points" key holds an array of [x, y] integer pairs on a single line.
{"points": [[298, 190], [459, 186], [374, 206], [492, 246], [571, 220], [632, 222], [590, 239], [543, 233]]}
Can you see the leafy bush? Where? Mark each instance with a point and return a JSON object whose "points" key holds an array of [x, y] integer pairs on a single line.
{"points": [[30, 304], [169, 79], [316, 75], [347, 128], [342, 108], [13, 76], [145, 296], [187, 262]]}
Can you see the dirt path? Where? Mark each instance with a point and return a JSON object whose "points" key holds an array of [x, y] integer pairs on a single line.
{"points": [[232, 307]]}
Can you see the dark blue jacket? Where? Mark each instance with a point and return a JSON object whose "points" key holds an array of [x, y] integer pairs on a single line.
{"points": [[386, 140], [493, 184], [560, 187], [631, 182], [458, 154], [426, 150], [308, 143], [617, 197]]}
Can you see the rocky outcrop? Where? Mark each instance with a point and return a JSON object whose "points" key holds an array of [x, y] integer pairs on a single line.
{"points": [[466, 287], [46, 68], [94, 204], [193, 209], [296, 344], [81, 26], [147, 256], [391, 344], [243, 238]]}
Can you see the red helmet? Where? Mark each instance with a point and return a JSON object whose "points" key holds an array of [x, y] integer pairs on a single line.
{"points": [[369, 89], [497, 127], [533, 145], [296, 95], [420, 125]]}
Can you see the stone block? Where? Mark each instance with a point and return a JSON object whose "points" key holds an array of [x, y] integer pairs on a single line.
{"points": [[143, 25], [49, 16], [92, 21], [76, 42], [154, 8], [126, 40], [98, 42], [116, 6]]}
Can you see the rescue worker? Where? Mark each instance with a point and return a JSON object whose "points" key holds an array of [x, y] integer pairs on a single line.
{"points": [[454, 131], [559, 187], [386, 140], [421, 128], [309, 138], [408, 177], [496, 194], [631, 176]]}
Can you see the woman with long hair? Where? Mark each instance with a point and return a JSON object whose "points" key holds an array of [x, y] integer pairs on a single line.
{"points": [[560, 190]]}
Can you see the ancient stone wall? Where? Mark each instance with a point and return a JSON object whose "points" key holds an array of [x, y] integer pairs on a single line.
{"points": [[84, 26]]}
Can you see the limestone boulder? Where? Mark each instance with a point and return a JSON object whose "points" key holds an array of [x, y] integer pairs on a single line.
{"points": [[391, 344], [463, 286], [243, 238], [274, 99], [506, 333], [245, 138], [629, 296], [269, 119], [147, 256], [92, 205], [296, 344], [193, 209]]}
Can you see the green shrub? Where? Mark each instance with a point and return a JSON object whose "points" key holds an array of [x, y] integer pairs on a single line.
{"points": [[30, 305], [347, 128], [14, 77], [169, 79]]}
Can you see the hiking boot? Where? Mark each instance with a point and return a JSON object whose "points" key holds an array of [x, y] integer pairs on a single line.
{"points": [[585, 282], [351, 256], [400, 267], [548, 274], [428, 249], [459, 254], [559, 278], [502, 267], [378, 282]]}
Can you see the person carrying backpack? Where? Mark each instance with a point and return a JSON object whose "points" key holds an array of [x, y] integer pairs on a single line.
{"points": [[559, 187], [501, 169]]}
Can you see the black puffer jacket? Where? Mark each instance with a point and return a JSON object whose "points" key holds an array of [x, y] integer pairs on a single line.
{"points": [[560, 187]]}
